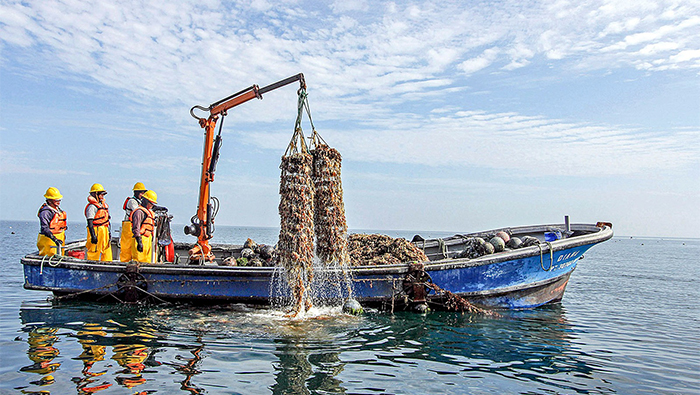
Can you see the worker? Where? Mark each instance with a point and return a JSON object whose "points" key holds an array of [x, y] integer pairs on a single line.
{"points": [[142, 226], [99, 238], [127, 237], [52, 220]]}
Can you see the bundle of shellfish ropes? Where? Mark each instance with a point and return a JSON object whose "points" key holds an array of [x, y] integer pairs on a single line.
{"points": [[330, 225], [296, 209], [329, 210]]}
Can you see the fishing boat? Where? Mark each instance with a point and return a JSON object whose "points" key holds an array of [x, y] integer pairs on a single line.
{"points": [[518, 278]]}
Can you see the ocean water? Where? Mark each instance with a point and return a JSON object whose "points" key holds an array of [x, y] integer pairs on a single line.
{"points": [[629, 323]]}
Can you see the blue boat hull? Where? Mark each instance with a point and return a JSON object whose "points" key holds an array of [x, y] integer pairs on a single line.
{"points": [[514, 279]]}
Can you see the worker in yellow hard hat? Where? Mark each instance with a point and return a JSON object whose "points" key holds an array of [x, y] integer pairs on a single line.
{"points": [[127, 237], [99, 238], [142, 226], [52, 234]]}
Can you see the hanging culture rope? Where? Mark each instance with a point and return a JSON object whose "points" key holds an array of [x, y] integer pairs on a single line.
{"points": [[329, 210], [296, 209], [330, 224]]}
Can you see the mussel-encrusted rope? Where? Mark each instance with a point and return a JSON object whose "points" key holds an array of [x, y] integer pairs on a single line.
{"points": [[329, 210], [296, 239]]}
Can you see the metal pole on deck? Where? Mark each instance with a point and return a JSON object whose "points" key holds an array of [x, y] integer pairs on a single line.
{"points": [[154, 246]]}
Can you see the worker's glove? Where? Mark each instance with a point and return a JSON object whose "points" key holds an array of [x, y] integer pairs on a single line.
{"points": [[91, 230], [139, 244], [56, 240]]}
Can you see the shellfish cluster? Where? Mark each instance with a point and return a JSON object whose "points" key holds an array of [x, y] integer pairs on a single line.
{"points": [[311, 207], [254, 255], [376, 249], [296, 240], [329, 210]]}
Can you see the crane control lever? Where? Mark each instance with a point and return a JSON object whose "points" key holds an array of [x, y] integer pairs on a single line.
{"points": [[202, 225]]}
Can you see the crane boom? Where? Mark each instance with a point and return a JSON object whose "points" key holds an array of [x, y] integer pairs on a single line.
{"points": [[202, 226]]}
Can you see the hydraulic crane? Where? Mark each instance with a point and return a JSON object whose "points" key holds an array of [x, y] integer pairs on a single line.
{"points": [[207, 207]]}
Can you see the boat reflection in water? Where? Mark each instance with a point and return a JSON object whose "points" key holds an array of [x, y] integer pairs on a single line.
{"points": [[383, 353], [102, 338], [42, 353], [92, 352], [212, 349], [189, 367], [308, 359]]}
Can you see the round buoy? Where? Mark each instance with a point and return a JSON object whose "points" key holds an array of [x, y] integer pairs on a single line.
{"points": [[503, 235], [514, 243], [498, 244], [488, 248]]}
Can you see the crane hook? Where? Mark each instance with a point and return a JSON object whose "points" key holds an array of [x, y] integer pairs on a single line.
{"points": [[199, 108]]}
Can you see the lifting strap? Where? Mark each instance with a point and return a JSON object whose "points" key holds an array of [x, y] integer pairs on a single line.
{"points": [[298, 142]]}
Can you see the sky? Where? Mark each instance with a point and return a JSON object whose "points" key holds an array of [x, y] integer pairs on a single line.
{"points": [[450, 115]]}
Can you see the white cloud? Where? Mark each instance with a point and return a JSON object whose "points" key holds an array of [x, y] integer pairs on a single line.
{"points": [[480, 62], [510, 142], [367, 60], [616, 27], [686, 55], [180, 52], [340, 6], [652, 49]]}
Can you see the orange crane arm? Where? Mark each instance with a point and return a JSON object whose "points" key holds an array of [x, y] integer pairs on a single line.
{"points": [[202, 227]]}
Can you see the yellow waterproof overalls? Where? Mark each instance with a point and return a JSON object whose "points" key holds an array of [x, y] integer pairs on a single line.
{"points": [[103, 249], [58, 228]]}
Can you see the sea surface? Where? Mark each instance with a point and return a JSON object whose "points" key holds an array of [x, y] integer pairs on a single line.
{"points": [[629, 323]]}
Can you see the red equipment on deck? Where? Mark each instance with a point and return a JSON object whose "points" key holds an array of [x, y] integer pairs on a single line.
{"points": [[202, 222]]}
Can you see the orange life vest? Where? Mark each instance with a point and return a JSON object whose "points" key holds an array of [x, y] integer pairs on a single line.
{"points": [[148, 223], [126, 203], [58, 221], [102, 214]]}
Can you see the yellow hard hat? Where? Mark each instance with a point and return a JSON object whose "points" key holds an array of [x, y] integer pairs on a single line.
{"points": [[139, 187], [53, 194], [151, 196], [97, 188]]}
